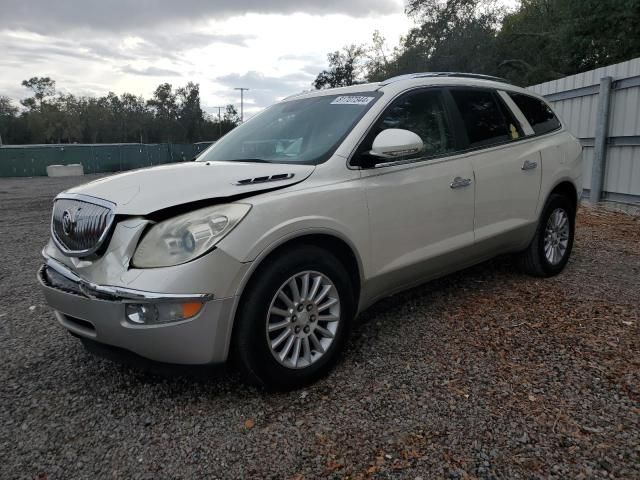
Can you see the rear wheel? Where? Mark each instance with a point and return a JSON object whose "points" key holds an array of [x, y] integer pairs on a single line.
{"points": [[294, 318], [549, 251]]}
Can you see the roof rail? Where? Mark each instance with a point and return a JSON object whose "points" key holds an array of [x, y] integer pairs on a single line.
{"points": [[443, 74]]}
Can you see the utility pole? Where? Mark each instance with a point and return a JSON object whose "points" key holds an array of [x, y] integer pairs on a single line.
{"points": [[242, 89], [219, 122]]}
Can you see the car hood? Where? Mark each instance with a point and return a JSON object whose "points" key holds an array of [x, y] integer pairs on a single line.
{"points": [[140, 192]]}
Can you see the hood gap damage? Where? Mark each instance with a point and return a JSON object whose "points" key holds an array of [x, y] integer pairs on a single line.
{"points": [[165, 213]]}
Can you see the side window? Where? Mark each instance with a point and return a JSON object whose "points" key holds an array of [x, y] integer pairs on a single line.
{"points": [[424, 114], [538, 114], [484, 118]]}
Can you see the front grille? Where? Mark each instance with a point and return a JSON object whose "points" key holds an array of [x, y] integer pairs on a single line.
{"points": [[79, 226]]}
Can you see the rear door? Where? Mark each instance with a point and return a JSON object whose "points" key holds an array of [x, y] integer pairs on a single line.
{"points": [[507, 167]]}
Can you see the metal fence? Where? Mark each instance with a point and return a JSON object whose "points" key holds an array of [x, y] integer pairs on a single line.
{"points": [[602, 108], [32, 160]]}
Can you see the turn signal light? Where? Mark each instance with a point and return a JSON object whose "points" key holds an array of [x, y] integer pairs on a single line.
{"points": [[190, 309], [154, 313]]}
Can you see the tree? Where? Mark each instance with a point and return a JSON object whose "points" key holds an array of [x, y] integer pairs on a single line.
{"points": [[164, 101], [548, 39], [452, 35], [8, 111], [537, 41], [7, 108], [42, 87], [136, 118], [190, 114], [70, 118], [345, 68], [377, 64], [231, 115], [164, 104], [170, 115]]}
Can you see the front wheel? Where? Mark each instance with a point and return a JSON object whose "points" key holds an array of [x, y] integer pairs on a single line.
{"points": [[549, 251], [293, 320]]}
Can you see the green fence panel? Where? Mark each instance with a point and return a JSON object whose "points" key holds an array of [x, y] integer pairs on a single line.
{"points": [[77, 154], [88, 159], [133, 156], [200, 147], [183, 152], [156, 154], [27, 162], [107, 159], [32, 160]]}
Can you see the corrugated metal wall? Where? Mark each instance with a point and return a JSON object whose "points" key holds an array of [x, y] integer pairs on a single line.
{"points": [[575, 99], [32, 160]]}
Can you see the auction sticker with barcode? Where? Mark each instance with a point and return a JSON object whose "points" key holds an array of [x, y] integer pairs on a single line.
{"points": [[352, 100]]}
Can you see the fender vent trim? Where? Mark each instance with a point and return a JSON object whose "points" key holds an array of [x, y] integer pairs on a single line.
{"points": [[270, 178]]}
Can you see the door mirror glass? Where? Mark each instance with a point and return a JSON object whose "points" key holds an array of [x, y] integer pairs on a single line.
{"points": [[394, 143]]}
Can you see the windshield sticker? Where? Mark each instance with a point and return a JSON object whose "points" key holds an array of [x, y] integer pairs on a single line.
{"points": [[352, 100]]}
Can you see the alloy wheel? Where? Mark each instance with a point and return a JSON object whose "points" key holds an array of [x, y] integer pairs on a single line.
{"points": [[303, 319], [556, 236]]}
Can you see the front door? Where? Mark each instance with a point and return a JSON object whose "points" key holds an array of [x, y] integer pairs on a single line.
{"points": [[421, 207]]}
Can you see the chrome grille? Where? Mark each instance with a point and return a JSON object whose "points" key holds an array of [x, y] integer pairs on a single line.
{"points": [[80, 224]]}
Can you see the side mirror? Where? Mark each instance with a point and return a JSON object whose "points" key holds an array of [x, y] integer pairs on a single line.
{"points": [[395, 142]]}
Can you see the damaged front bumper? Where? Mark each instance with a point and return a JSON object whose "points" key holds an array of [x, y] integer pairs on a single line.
{"points": [[107, 314]]}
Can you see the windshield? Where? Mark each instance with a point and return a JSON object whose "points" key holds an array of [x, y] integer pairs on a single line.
{"points": [[298, 131]]}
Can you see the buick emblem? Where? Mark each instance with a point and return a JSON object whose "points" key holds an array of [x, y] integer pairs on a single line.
{"points": [[69, 222]]}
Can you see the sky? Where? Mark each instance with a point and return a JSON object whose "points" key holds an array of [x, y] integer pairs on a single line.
{"points": [[273, 47]]}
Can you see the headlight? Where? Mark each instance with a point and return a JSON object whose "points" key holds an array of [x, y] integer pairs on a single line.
{"points": [[185, 237]]}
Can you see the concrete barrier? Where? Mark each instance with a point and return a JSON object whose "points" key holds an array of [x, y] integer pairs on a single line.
{"points": [[73, 170]]}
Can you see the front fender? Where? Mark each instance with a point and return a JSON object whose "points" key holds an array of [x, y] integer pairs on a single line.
{"points": [[292, 236]]}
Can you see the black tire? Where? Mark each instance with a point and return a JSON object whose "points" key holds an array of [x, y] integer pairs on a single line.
{"points": [[251, 350], [533, 260]]}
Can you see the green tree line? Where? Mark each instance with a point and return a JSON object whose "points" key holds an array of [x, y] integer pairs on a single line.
{"points": [[171, 115], [538, 41]]}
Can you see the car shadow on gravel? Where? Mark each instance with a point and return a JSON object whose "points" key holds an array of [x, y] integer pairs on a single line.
{"points": [[149, 371], [224, 378], [133, 378], [488, 271]]}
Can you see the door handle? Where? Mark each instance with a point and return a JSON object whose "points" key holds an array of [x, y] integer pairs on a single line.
{"points": [[460, 182], [529, 165]]}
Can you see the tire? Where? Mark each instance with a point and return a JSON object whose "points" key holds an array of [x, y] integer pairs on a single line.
{"points": [[262, 307], [534, 260]]}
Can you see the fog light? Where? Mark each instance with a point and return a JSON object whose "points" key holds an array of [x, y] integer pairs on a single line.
{"points": [[149, 313]]}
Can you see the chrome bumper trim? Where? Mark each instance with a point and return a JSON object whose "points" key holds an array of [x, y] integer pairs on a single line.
{"points": [[93, 290]]}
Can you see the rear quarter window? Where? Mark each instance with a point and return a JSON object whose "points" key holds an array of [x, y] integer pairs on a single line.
{"points": [[538, 114]]}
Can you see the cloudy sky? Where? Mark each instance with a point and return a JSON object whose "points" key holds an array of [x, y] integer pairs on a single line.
{"points": [[273, 47]]}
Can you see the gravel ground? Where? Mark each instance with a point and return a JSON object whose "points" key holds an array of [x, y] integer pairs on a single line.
{"points": [[483, 374]]}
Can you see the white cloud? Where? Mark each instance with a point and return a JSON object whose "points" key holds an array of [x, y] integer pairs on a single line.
{"points": [[273, 54], [150, 71], [125, 15]]}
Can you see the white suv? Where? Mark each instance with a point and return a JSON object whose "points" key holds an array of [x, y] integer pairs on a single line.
{"points": [[267, 246]]}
